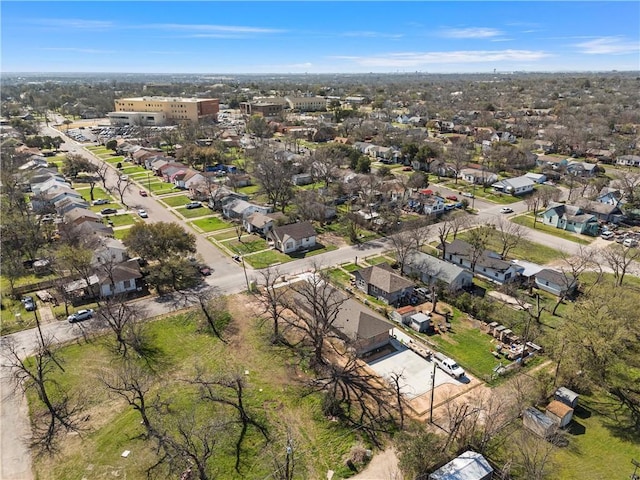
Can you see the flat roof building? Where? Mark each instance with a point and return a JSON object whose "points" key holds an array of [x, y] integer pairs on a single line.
{"points": [[152, 111]]}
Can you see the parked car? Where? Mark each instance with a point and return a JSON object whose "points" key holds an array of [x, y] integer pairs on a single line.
{"points": [[191, 205], [143, 213], [29, 303], [124, 177], [204, 270], [468, 195], [452, 198], [407, 169], [143, 193], [101, 201], [108, 211], [506, 210], [423, 293], [80, 315], [607, 235], [630, 242]]}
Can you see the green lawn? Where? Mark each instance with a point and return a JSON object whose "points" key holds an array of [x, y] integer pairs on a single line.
{"points": [[98, 192], [378, 259], [339, 277], [266, 258], [159, 187], [351, 267], [222, 235], [249, 244], [182, 348], [121, 233], [194, 212], [120, 220], [469, 346], [13, 316], [131, 169], [177, 201], [249, 189], [312, 186], [211, 224], [112, 159], [527, 221], [598, 447], [525, 250]]}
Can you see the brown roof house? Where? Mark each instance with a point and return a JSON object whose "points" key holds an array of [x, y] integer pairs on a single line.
{"points": [[293, 237], [361, 327], [382, 282]]}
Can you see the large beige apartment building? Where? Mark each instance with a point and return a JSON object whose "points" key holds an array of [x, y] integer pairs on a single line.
{"points": [[151, 111]]}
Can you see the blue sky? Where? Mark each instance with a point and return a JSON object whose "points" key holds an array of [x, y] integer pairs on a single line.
{"points": [[319, 37]]}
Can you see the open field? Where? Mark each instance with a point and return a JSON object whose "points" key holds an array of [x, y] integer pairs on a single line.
{"points": [[180, 349]]}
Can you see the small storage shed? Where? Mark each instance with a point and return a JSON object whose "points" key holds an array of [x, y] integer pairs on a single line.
{"points": [[497, 332], [536, 421], [403, 314], [566, 396], [420, 322], [468, 466], [560, 413]]}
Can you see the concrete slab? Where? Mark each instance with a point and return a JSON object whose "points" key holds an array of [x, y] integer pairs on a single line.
{"points": [[416, 371]]}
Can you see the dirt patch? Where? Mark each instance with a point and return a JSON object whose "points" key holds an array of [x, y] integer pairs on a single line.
{"points": [[332, 239]]}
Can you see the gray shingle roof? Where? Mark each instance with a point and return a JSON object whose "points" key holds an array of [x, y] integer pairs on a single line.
{"points": [[384, 278]]}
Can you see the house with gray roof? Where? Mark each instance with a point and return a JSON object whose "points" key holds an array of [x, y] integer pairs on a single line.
{"points": [[555, 282], [293, 237], [604, 212], [485, 263], [514, 186], [570, 218], [429, 269], [382, 282], [238, 208]]}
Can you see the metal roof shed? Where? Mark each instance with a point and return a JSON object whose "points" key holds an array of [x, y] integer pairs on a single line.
{"points": [[468, 466], [566, 396]]}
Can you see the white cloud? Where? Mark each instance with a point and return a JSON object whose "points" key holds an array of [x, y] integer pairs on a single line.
{"points": [[472, 32], [608, 46], [414, 60], [212, 29], [367, 34]]}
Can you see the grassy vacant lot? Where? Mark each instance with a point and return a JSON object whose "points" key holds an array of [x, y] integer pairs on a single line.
{"points": [[211, 224], [599, 444], [226, 235], [131, 169], [527, 221], [176, 201], [121, 233], [270, 394], [159, 187], [249, 189], [266, 258], [121, 220], [339, 276], [249, 244], [193, 212], [341, 229], [525, 250], [98, 192]]}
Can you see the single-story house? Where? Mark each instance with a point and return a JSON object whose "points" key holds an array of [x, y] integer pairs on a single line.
{"points": [[581, 169], [382, 282], [611, 196], [570, 218], [478, 177], [514, 186], [402, 314], [67, 204], [240, 208], [536, 177], [468, 466], [109, 251], [553, 281], [628, 160], [293, 237], [364, 329], [51, 196], [93, 229], [488, 264], [432, 205], [81, 215], [604, 212], [546, 146], [121, 278], [302, 179], [259, 223], [430, 269]]}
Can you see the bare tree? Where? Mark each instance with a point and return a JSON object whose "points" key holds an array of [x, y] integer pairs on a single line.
{"points": [[316, 304], [451, 224], [37, 375], [533, 455], [620, 259], [122, 184], [119, 317], [229, 390], [101, 172], [403, 244], [478, 241], [395, 380], [284, 469], [510, 235], [273, 299], [212, 308]]}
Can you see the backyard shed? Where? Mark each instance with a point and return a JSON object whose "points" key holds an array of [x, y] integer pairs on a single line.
{"points": [[566, 396], [536, 421], [560, 413], [402, 314], [497, 332], [420, 322], [468, 466]]}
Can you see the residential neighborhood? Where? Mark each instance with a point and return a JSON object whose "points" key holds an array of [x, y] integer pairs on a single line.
{"points": [[399, 266]]}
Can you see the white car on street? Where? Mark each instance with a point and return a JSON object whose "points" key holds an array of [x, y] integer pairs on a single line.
{"points": [[143, 213], [506, 210]]}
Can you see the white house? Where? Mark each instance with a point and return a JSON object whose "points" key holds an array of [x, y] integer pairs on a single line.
{"points": [[553, 281], [241, 208], [536, 177], [514, 186], [479, 177], [292, 237], [110, 251], [433, 205], [628, 160], [487, 263], [121, 278]]}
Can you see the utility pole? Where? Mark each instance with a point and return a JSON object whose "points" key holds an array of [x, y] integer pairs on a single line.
{"points": [[433, 387], [244, 267]]}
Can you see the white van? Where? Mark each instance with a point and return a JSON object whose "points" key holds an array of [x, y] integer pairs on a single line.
{"points": [[448, 365]]}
